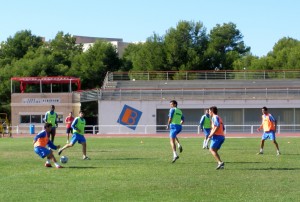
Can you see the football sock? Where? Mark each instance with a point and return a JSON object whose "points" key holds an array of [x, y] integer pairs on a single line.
{"points": [[174, 154], [56, 164], [48, 161]]}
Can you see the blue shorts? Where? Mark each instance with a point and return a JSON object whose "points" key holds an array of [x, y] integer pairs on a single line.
{"points": [[175, 130], [217, 141], [206, 132], [42, 151], [77, 138], [268, 135]]}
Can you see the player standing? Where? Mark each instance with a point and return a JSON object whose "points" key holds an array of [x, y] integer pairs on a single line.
{"points": [[205, 126], [268, 124], [216, 135], [51, 117], [69, 119]]}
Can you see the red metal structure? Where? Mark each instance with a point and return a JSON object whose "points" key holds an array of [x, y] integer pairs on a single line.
{"points": [[24, 81]]}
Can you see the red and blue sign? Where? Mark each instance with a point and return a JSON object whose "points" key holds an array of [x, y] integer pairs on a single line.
{"points": [[129, 117]]}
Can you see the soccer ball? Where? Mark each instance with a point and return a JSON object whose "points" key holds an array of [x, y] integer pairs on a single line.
{"points": [[64, 159]]}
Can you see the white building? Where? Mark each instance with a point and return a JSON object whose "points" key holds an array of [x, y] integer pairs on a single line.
{"points": [[87, 42]]}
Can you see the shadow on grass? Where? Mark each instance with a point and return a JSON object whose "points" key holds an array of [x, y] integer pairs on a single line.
{"points": [[127, 159], [103, 151], [82, 167], [272, 169], [236, 162]]}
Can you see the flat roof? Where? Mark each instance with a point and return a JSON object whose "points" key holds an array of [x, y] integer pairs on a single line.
{"points": [[46, 80]]}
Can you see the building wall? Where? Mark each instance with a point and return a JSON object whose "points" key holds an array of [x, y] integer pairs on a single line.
{"points": [[89, 42], [37, 104], [233, 112]]}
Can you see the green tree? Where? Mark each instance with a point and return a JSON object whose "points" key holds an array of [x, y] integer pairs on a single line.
{"points": [[150, 55], [129, 59], [285, 54], [225, 46], [16, 47], [63, 50], [92, 65], [294, 58], [244, 63], [185, 46]]}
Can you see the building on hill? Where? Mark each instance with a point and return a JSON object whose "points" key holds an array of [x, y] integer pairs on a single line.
{"points": [[87, 42]]}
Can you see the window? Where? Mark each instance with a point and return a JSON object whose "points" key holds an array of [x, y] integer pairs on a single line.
{"points": [[38, 118], [60, 118], [25, 119]]}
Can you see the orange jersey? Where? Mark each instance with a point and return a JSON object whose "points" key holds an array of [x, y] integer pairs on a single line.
{"points": [[216, 121], [268, 122], [42, 140]]}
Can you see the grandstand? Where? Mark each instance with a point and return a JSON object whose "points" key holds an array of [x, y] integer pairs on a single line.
{"points": [[239, 95]]}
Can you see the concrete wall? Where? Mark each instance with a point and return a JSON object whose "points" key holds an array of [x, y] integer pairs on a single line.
{"points": [[109, 112]]}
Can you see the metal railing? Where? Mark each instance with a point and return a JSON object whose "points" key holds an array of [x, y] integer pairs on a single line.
{"points": [[195, 129], [182, 91], [204, 75], [192, 94], [158, 129]]}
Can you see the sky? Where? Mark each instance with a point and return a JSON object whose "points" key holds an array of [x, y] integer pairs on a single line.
{"points": [[261, 22]]}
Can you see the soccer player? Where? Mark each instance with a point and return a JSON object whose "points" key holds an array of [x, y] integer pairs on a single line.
{"points": [[78, 126], [69, 129], [205, 127], [268, 124], [216, 135], [175, 122], [40, 141], [51, 117]]}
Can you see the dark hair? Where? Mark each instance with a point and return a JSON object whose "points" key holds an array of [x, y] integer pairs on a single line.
{"points": [[214, 109], [52, 107], [174, 102], [265, 108], [47, 125]]}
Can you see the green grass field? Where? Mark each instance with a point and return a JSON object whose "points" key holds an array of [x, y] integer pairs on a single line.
{"points": [[126, 169]]}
